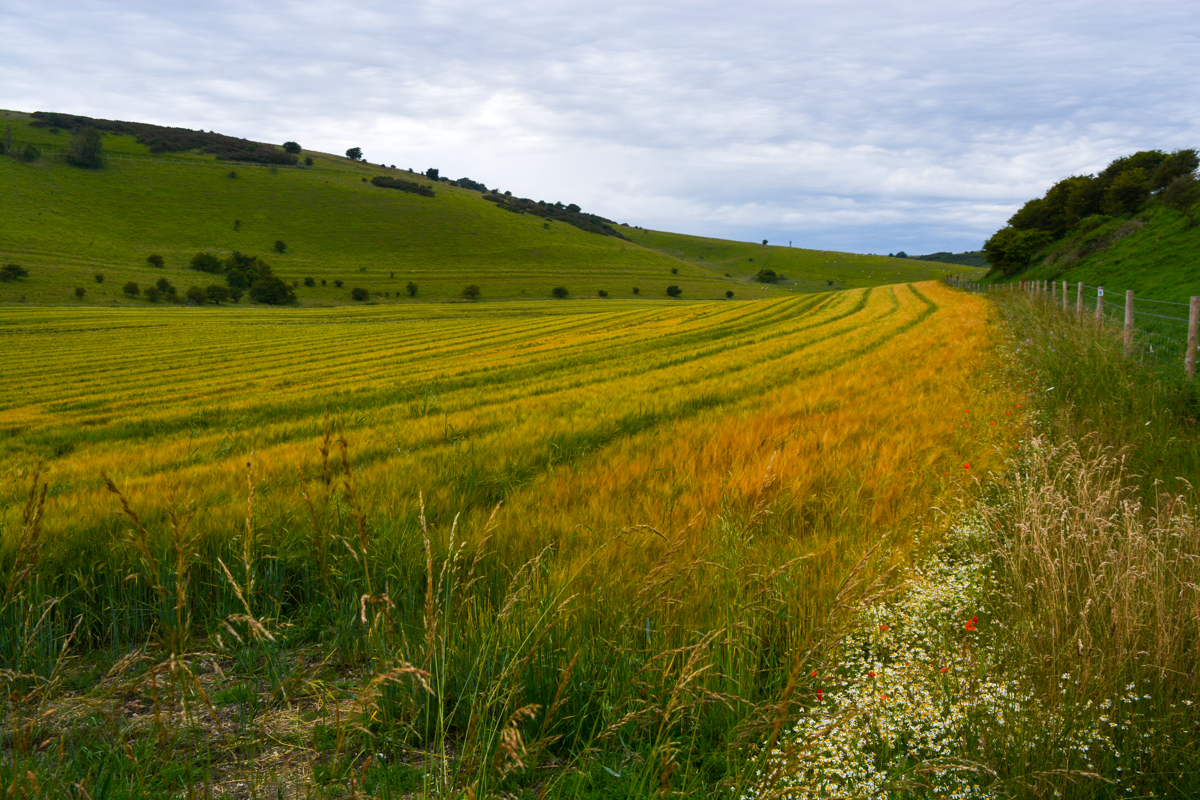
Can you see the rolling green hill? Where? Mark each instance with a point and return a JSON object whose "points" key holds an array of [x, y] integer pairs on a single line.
{"points": [[65, 225]]}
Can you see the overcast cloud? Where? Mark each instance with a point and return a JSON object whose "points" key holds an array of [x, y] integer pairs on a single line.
{"points": [[869, 127]]}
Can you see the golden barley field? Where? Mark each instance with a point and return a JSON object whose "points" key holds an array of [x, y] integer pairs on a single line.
{"points": [[583, 418], [633, 518]]}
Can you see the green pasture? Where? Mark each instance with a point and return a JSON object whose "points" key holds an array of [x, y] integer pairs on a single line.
{"points": [[66, 224]]}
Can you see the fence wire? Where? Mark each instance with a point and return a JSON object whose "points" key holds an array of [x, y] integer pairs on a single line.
{"points": [[1162, 338]]}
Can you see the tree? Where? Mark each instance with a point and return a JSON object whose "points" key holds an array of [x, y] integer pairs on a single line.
{"points": [[153, 293], [309, 282], [80, 292], [1179, 163], [291, 147], [10, 272], [338, 283], [675, 270], [196, 296], [411, 288], [674, 291], [559, 291], [235, 295], [636, 290], [471, 292], [767, 276], [28, 153], [155, 260], [764, 241], [132, 289], [99, 277], [354, 153], [272, 291], [432, 173], [1010, 250], [216, 293], [1182, 195], [207, 262], [603, 293], [359, 294], [728, 293], [1127, 192], [308, 161], [86, 149], [280, 245]]}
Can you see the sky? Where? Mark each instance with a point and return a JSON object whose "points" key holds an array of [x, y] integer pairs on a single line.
{"points": [[866, 127]]}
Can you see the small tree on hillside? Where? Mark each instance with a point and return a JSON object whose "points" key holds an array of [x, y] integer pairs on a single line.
{"points": [[86, 149], [559, 291], [411, 288], [728, 293], [155, 260], [196, 296], [280, 246], [359, 294], [80, 292], [471, 292], [674, 291], [432, 173], [132, 289], [291, 147], [217, 293], [153, 293], [354, 153]]}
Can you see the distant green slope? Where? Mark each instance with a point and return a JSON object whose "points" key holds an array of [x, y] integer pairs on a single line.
{"points": [[803, 270], [65, 224]]}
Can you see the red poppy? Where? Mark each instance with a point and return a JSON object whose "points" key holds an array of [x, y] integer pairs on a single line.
{"points": [[966, 466], [945, 670], [820, 694], [970, 624], [814, 673], [871, 673], [883, 628]]}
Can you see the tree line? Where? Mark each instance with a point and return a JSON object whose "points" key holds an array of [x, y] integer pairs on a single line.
{"points": [[1083, 202]]}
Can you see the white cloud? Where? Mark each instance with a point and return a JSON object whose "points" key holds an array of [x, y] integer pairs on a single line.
{"points": [[868, 126]]}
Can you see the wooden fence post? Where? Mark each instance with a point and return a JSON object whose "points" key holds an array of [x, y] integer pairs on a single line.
{"points": [[1065, 296], [1079, 300], [1128, 321], [1054, 292], [1100, 304], [1193, 318]]}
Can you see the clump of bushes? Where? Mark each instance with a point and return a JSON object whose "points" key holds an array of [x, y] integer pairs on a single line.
{"points": [[359, 294], [603, 293], [155, 260], [674, 291], [767, 276], [559, 291], [10, 272], [86, 148], [309, 282], [412, 187], [99, 277], [411, 288]]}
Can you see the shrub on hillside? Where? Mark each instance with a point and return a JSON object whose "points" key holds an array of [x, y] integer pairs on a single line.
{"points": [[291, 147], [766, 276], [280, 246], [86, 148], [338, 283], [471, 292], [603, 293], [728, 293], [80, 292], [235, 295], [196, 296], [559, 291], [27, 153], [308, 162], [636, 290], [272, 291], [411, 288], [359, 294], [674, 270], [153, 293], [10, 272], [207, 262], [412, 187], [155, 260], [216, 292], [354, 153], [674, 291], [132, 289], [309, 282], [99, 277]]}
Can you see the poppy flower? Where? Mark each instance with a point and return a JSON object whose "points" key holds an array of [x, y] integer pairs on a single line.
{"points": [[883, 628], [970, 624], [820, 694], [966, 466], [945, 670], [814, 673], [871, 673]]}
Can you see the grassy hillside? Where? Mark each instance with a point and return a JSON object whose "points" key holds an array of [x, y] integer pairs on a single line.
{"points": [[803, 270], [65, 224], [1155, 252]]}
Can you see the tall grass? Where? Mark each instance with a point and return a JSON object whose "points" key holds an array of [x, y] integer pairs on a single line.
{"points": [[1096, 551]]}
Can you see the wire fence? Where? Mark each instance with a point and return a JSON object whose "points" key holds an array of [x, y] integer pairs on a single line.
{"points": [[1161, 330]]}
